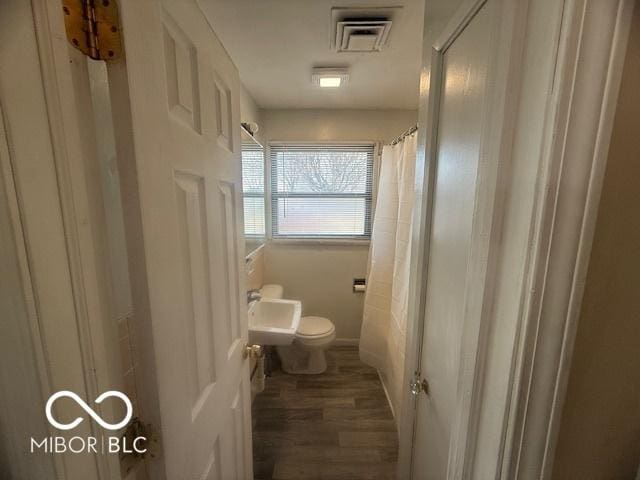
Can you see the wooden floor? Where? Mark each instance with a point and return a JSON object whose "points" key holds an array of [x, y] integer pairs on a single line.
{"points": [[337, 425]]}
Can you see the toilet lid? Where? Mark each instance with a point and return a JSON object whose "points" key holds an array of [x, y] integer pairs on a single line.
{"points": [[314, 326]]}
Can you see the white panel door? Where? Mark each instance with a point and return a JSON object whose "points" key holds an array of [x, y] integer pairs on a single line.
{"points": [[461, 109], [183, 204]]}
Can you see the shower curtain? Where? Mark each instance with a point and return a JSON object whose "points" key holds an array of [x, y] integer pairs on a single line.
{"points": [[382, 339]]}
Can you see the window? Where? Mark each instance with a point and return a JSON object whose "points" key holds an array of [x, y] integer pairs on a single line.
{"points": [[253, 189], [321, 191]]}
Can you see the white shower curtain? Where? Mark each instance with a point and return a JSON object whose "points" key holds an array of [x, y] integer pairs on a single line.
{"points": [[382, 339]]}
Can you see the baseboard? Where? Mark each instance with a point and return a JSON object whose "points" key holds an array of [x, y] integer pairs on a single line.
{"points": [[343, 342], [386, 393]]}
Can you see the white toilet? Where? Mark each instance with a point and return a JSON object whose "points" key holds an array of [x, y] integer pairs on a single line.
{"points": [[306, 354], [314, 335]]}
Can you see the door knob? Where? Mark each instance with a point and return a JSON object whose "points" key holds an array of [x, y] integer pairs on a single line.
{"points": [[418, 385], [253, 351]]}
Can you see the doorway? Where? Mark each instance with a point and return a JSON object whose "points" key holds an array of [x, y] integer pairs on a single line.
{"points": [[202, 306]]}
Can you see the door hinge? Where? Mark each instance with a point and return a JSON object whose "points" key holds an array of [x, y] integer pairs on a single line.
{"points": [[418, 385], [93, 27], [130, 453]]}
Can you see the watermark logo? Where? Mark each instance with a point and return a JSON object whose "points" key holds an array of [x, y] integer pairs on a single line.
{"points": [[89, 410], [126, 443]]}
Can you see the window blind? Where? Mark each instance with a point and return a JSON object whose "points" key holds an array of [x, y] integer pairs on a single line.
{"points": [[321, 191], [253, 189]]}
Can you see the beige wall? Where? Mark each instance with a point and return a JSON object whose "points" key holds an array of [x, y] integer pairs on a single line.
{"points": [[321, 275], [249, 112], [344, 125], [600, 429]]}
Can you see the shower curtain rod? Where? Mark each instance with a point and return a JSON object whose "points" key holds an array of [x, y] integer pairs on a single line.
{"points": [[404, 134]]}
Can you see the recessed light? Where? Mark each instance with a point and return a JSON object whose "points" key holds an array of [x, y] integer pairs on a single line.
{"points": [[330, 82], [329, 77]]}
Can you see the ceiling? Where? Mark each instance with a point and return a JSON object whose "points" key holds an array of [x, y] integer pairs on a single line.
{"points": [[276, 43]]}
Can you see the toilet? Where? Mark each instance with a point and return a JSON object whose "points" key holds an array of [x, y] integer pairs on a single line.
{"points": [[306, 354]]}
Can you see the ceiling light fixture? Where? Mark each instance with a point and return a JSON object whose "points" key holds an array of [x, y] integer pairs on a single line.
{"points": [[329, 77], [330, 82]]}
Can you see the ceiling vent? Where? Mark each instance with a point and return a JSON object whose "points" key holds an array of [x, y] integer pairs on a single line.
{"points": [[361, 29]]}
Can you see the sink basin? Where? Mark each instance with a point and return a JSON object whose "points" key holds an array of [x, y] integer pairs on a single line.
{"points": [[274, 321]]}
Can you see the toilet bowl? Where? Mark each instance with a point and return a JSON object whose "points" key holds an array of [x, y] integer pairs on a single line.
{"points": [[306, 354]]}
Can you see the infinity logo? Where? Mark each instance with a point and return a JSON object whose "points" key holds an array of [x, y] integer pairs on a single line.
{"points": [[89, 410]]}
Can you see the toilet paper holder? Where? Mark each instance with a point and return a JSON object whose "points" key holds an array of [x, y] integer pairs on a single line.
{"points": [[359, 285]]}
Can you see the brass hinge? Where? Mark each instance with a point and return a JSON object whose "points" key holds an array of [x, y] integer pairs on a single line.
{"points": [[130, 451], [93, 27]]}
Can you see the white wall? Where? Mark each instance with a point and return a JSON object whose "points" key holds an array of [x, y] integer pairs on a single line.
{"points": [[321, 275]]}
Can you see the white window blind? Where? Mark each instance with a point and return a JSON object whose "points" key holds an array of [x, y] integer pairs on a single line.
{"points": [[321, 191], [253, 189]]}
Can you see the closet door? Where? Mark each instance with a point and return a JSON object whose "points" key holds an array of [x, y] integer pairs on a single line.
{"points": [[462, 200]]}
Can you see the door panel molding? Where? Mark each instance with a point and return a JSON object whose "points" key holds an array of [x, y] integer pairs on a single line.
{"points": [[183, 87]]}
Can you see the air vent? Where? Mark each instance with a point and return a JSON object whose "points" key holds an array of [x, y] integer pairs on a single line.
{"points": [[355, 35], [361, 29]]}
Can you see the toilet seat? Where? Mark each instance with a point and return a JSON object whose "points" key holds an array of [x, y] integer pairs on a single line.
{"points": [[315, 327], [315, 332]]}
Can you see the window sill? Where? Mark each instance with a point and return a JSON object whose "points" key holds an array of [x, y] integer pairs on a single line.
{"points": [[320, 241]]}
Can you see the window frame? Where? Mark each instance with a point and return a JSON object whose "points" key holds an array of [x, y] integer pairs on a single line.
{"points": [[320, 239], [265, 193]]}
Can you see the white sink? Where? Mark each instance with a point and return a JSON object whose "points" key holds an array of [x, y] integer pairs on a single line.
{"points": [[274, 321]]}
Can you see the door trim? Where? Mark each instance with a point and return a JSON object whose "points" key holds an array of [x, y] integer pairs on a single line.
{"points": [[562, 224], [588, 72], [70, 117]]}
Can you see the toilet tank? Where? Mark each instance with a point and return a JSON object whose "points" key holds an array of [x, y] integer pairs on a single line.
{"points": [[271, 291]]}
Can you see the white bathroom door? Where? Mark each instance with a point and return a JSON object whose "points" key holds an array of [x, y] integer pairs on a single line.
{"points": [[460, 103], [182, 199]]}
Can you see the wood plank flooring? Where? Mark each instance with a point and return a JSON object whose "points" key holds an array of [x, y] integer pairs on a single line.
{"points": [[333, 426]]}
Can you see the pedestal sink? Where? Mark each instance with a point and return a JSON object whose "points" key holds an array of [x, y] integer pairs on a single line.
{"points": [[274, 321]]}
